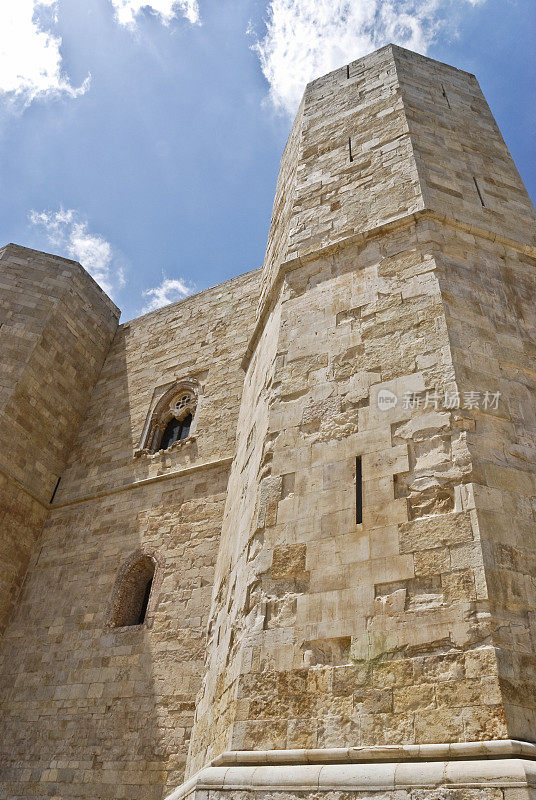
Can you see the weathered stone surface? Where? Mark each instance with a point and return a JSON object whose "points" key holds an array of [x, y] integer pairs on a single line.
{"points": [[56, 328], [88, 709], [379, 292], [293, 606]]}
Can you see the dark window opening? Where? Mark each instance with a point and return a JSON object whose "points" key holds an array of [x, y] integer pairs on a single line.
{"points": [[55, 490], [350, 148], [145, 602], [358, 491], [185, 427], [175, 430], [133, 594], [348, 70], [445, 95]]}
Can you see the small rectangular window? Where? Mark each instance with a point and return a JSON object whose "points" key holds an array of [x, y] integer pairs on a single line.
{"points": [[358, 490], [350, 148]]}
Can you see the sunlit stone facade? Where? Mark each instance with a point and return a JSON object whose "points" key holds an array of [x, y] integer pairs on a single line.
{"points": [[325, 585]]}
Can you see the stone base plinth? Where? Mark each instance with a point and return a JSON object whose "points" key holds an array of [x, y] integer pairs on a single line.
{"points": [[495, 770]]}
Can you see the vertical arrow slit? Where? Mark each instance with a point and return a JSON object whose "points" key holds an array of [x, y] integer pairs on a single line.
{"points": [[55, 490], [479, 193], [358, 490]]}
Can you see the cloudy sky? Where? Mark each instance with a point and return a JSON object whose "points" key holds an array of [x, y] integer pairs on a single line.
{"points": [[144, 139]]}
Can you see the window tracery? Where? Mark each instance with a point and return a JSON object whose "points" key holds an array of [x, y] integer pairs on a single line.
{"points": [[172, 420]]}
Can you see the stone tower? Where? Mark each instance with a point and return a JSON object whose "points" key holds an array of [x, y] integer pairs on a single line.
{"points": [[376, 579], [56, 325], [342, 547]]}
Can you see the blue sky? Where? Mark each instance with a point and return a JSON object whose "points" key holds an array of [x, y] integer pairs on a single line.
{"points": [[145, 141]]}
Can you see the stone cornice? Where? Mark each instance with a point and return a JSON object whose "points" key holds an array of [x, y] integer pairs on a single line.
{"points": [[178, 473], [493, 748], [502, 764]]}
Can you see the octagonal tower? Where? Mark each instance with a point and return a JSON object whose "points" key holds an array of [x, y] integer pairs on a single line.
{"points": [[376, 581]]}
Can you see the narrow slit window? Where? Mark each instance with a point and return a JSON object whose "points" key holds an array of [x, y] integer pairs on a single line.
{"points": [[479, 193], [348, 70], [145, 602], [445, 95], [55, 490], [358, 490], [350, 148]]}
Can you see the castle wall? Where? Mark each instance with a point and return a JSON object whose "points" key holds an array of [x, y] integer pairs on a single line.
{"points": [[344, 549], [486, 259], [21, 520], [57, 325], [91, 710], [334, 633], [331, 631], [456, 142], [488, 294], [335, 197], [234, 592]]}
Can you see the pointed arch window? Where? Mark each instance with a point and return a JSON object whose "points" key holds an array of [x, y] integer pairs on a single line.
{"points": [[172, 420]]}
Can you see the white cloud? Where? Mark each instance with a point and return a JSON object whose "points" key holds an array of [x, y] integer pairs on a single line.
{"points": [[308, 38], [169, 291], [127, 10], [68, 234], [30, 58]]}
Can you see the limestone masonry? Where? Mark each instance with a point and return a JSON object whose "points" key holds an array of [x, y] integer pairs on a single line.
{"points": [[277, 541]]}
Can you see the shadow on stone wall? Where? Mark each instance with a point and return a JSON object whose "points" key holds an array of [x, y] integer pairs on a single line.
{"points": [[90, 710]]}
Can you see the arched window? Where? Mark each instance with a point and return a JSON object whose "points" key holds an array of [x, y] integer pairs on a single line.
{"points": [[133, 591], [172, 418]]}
